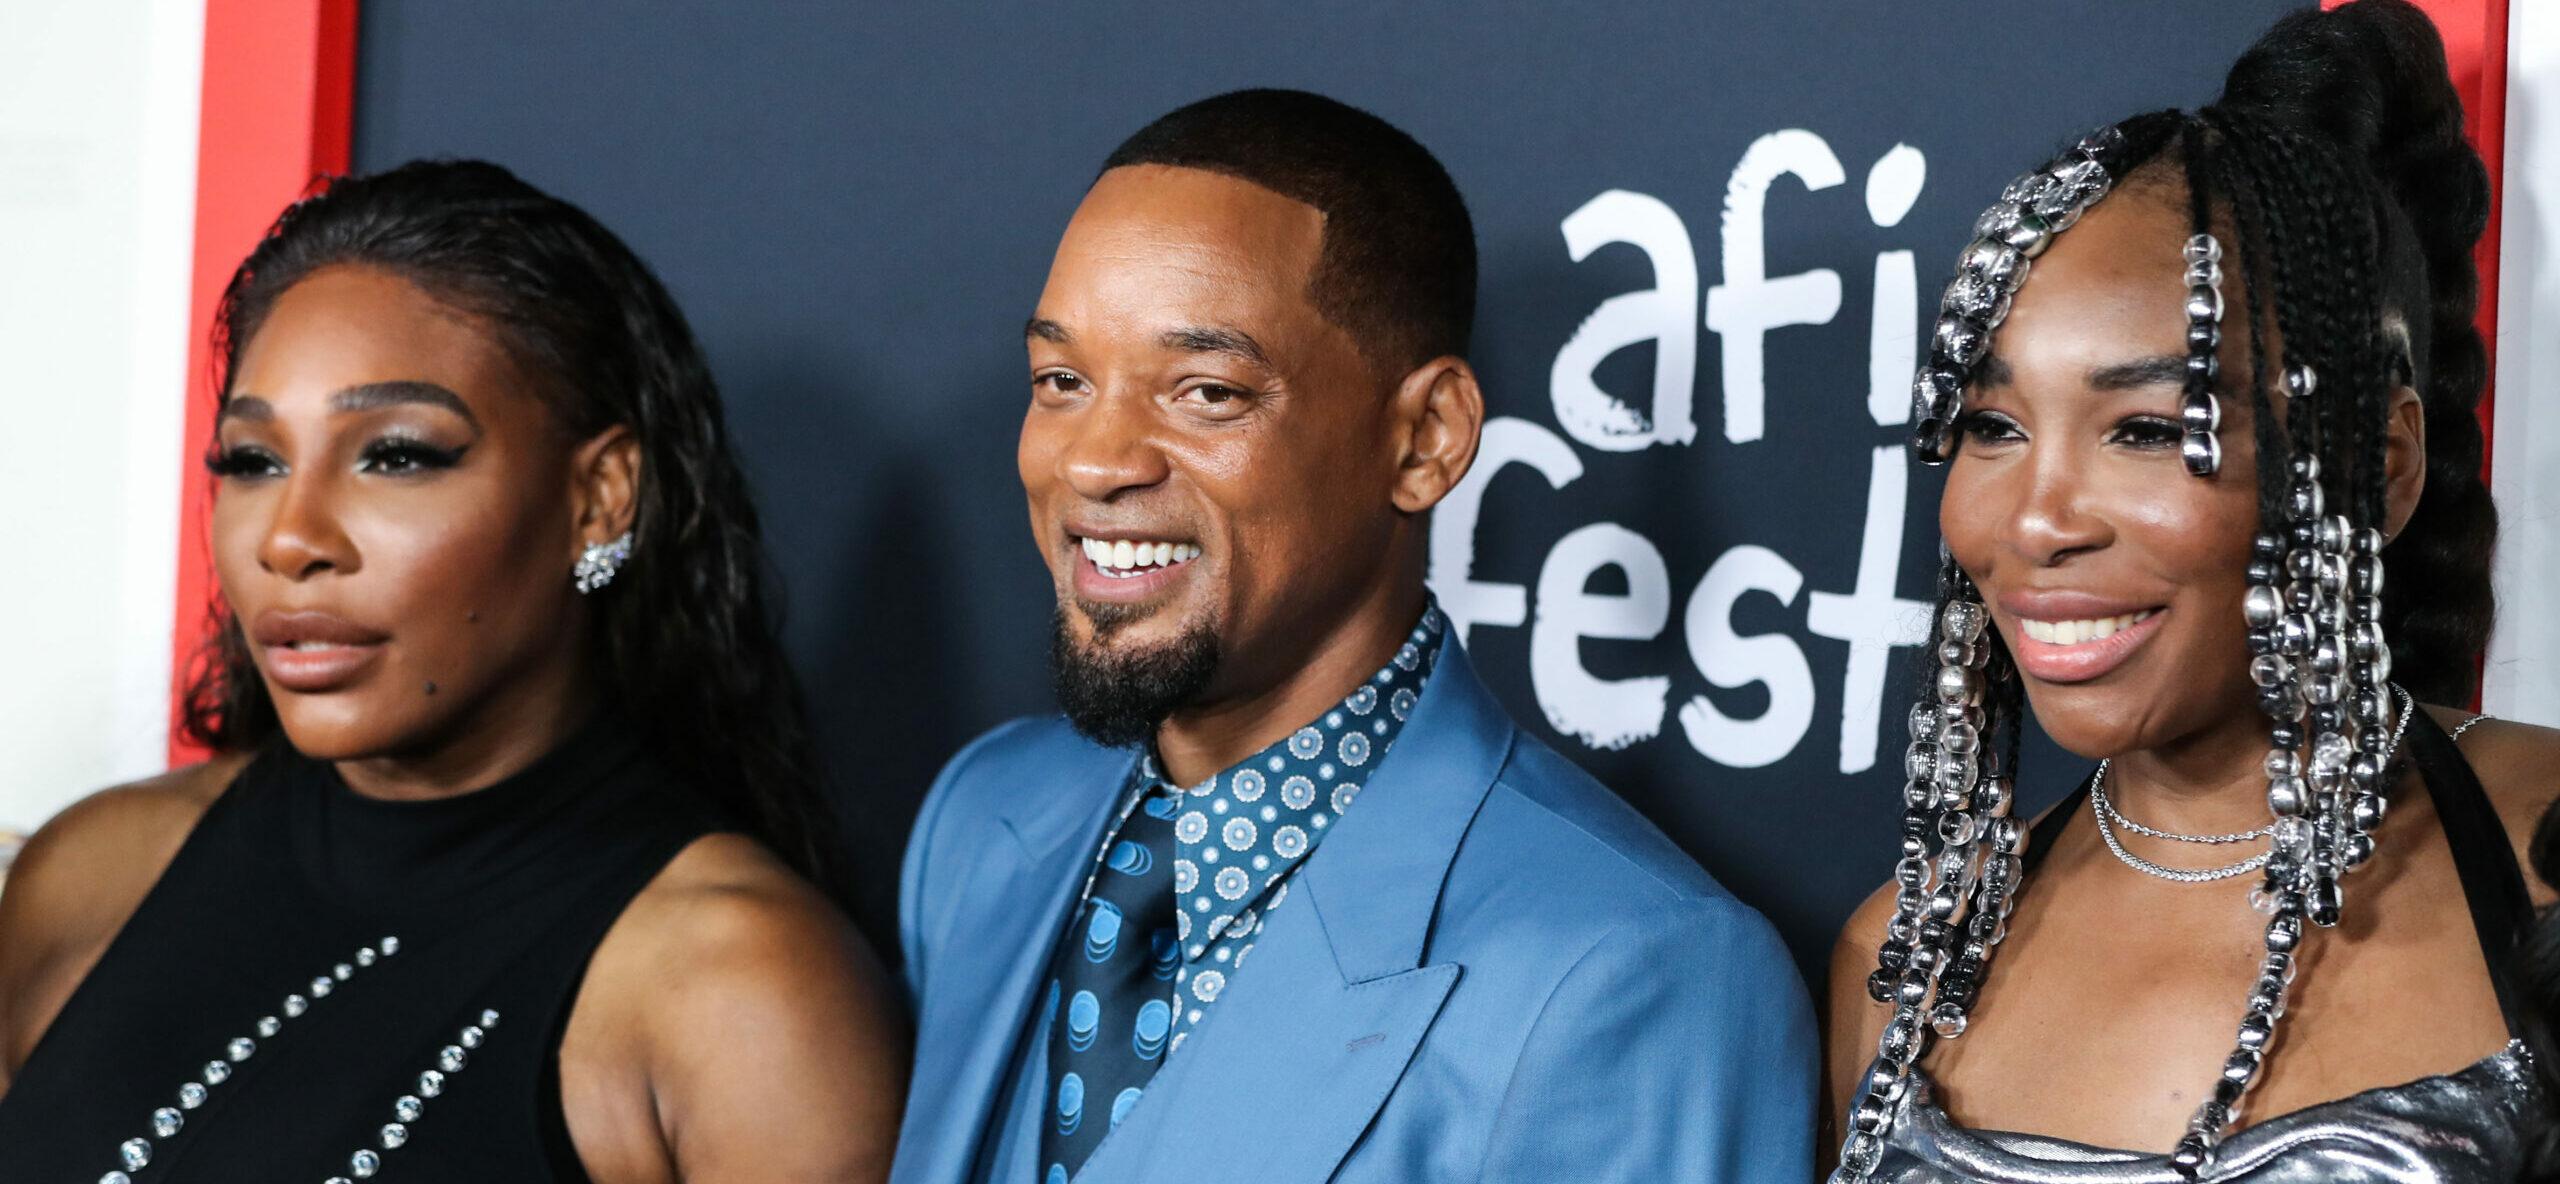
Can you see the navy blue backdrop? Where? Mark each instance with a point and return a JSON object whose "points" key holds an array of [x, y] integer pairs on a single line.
{"points": [[1709, 231]]}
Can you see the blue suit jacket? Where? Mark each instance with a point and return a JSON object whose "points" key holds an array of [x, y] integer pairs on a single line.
{"points": [[1492, 969]]}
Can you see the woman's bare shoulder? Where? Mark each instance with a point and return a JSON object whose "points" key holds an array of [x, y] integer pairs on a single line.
{"points": [[752, 1014], [727, 895], [77, 882], [100, 854], [2519, 768]]}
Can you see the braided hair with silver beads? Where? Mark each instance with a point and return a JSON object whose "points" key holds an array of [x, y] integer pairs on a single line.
{"points": [[2331, 178]]}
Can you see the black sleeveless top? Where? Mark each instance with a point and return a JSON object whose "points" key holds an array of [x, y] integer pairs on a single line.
{"points": [[326, 986]]}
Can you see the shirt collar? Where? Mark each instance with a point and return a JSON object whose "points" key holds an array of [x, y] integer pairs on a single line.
{"points": [[1241, 831]]}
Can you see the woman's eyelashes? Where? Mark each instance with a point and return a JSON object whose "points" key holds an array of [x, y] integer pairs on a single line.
{"points": [[1988, 427], [403, 456], [230, 461], [388, 456], [2146, 432]]}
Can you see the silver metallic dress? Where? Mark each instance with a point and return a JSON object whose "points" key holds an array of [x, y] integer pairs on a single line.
{"points": [[2468, 1127]]}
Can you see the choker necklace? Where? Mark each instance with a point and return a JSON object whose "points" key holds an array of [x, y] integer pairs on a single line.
{"points": [[2107, 809], [2109, 818], [2106, 812]]}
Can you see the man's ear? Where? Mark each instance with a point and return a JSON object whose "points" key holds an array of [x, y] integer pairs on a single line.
{"points": [[1438, 413], [604, 486], [2404, 460]]}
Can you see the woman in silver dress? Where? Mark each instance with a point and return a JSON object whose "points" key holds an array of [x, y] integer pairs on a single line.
{"points": [[2270, 937]]}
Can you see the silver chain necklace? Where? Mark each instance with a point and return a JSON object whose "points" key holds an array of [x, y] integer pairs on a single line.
{"points": [[2107, 807], [2107, 831], [2109, 818]]}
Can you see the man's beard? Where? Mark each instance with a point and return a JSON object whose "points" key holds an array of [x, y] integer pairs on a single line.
{"points": [[1116, 696]]}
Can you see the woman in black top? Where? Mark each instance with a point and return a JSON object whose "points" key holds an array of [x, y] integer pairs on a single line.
{"points": [[511, 866]]}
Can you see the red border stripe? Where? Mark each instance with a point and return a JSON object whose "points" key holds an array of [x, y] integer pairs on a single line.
{"points": [[278, 111]]}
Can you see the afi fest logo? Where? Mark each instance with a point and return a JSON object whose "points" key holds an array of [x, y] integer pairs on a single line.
{"points": [[1742, 311]]}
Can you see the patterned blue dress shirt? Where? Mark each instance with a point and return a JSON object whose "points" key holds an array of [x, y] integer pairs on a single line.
{"points": [[1182, 886]]}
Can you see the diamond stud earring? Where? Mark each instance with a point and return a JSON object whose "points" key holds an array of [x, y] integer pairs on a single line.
{"points": [[600, 562]]}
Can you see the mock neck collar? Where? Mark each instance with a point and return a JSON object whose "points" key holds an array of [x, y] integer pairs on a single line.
{"points": [[374, 853]]}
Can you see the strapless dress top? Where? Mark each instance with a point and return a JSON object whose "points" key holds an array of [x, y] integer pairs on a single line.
{"points": [[2474, 1126], [2469, 1127]]}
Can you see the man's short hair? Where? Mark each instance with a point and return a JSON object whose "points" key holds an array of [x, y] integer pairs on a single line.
{"points": [[1398, 267]]}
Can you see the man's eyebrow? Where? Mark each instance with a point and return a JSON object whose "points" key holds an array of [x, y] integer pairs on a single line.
{"points": [[1233, 342], [372, 395], [1047, 330], [2139, 373]]}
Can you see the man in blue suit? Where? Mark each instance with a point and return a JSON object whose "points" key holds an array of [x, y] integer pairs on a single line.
{"points": [[1286, 896]]}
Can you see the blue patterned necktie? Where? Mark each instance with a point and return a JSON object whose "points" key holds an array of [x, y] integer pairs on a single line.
{"points": [[1114, 988]]}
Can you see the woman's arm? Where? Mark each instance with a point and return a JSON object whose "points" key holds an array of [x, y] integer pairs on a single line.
{"points": [[733, 1027], [75, 884]]}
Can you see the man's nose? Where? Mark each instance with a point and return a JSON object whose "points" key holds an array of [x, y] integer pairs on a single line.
{"points": [[1113, 449]]}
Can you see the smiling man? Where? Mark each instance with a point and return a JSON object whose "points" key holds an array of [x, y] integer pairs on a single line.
{"points": [[1286, 896]]}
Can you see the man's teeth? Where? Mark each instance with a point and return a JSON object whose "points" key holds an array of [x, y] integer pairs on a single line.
{"points": [[1130, 556], [2079, 632]]}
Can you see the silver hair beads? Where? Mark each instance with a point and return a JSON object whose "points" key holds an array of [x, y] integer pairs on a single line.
{"points": [[1957, 879], [2010, 234], [2200, 412], [1959, 871], [2322, 666], [2317, 656]]}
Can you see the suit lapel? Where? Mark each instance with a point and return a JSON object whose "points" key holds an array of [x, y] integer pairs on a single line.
{"points": [[1288, 1069], [1056, 820], [1307, 1043]]}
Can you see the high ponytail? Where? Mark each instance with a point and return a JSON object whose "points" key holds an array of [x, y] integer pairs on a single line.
{"points": [[2370, 78], [2334, 170]]}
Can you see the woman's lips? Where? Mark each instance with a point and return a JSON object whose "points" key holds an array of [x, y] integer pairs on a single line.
{"points": [[316, 668], [2069, 661], [311, 652]]}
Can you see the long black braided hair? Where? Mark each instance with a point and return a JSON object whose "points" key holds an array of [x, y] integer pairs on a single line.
{"points": [[2334, 162], [684, 639], [2337, 151]]}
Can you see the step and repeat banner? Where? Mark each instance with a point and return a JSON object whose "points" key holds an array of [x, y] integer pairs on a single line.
{"points": [[1693, 553], [1693, 542]]}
